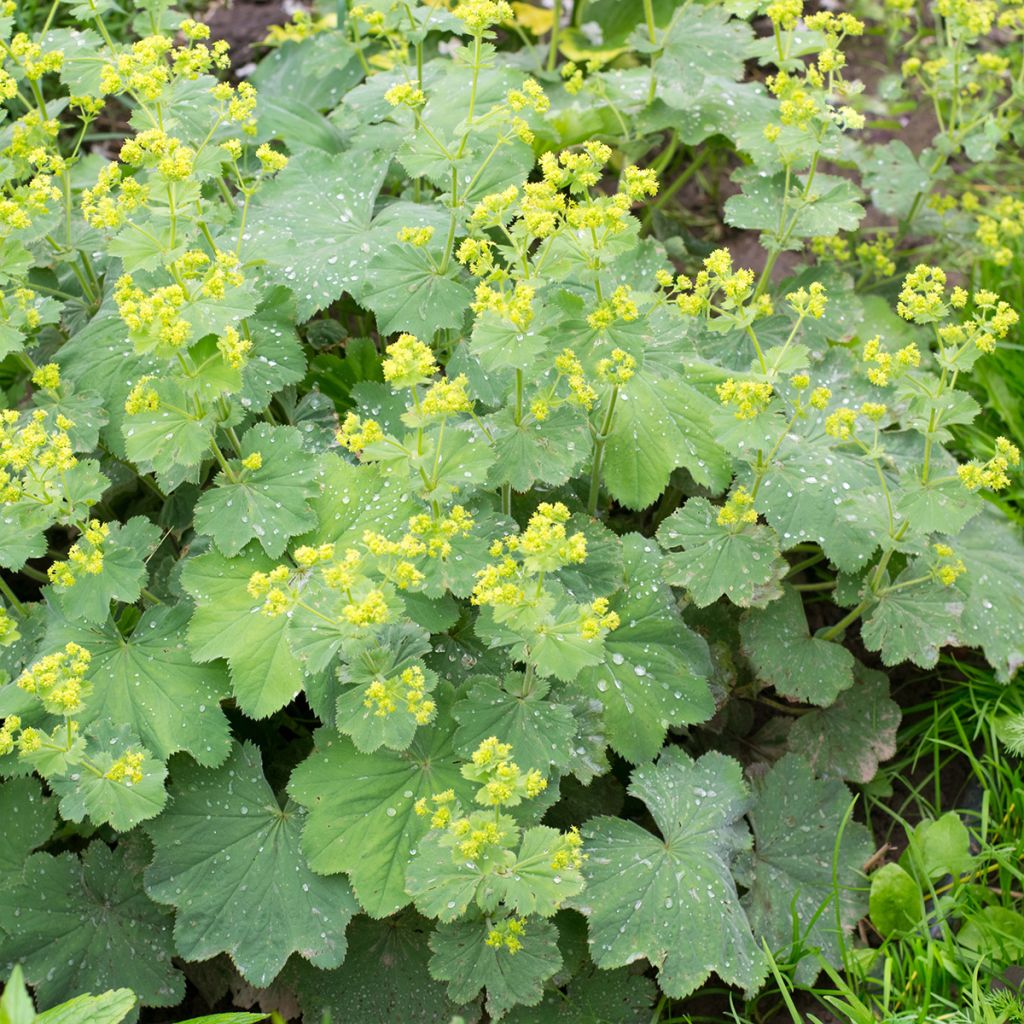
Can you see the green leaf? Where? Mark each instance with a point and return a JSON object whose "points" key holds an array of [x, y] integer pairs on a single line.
{"points": [[655, 669], [540, 730], [407, 293], [795, 821], [499, 345], [914, 623], [714, 561], [384, 978], [943, 506], [936, 848], [798, 497], [397, 647], [148, 681], [269, 504], [463, 959], [894, 175], [21, 534], [779, 646], [361, 818], [673, 899], [108, 1008], [702, 42], [895, 902], [28, 819], [850, 737], [265, 674], [659, 425], [550, 452], [831, 206], [85, 924], [15, 1003], [168, 438], [355, 498], [993, 552], [228, 857], [125, 551], [311, 222], [121, 804], [593, 997]]}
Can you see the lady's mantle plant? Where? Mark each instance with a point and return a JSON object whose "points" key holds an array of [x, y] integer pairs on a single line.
{"points": [[340, 682]]}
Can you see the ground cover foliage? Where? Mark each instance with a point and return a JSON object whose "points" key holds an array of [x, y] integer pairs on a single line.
{"points": [[440, 576]]}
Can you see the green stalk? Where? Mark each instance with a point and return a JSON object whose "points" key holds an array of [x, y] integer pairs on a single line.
{"points": [[556, 28], [12, 600], [601, 440]]}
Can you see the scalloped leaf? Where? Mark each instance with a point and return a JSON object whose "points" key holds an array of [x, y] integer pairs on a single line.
{"points": [[541, 731], [86, 924], [361, 818], [655, 669], [796, 819], [463, 959], [28, 819], [269, 504], [311, 222], [384, 977], [850, 737], [713, 561], [148, 681], [779, 646], [265, 674], [673, 899], [228, 856]]}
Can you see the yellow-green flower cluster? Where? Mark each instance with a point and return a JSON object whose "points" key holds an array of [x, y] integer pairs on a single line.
{"points": [[275, 590], [531, 95], [416, 237], [876, 256], [948, 568], [405, 94], [748, 397], [841, 424], [447, 397], [32, 458], [596, 619], [542, 547], [154, 315], [738, 510], [142, 398], [8, 734], [480, 15], [888, 366], [514, 305], [85, 558], [992, 474], [810, 301], [234, 348], [507, 934], [58, 680], [580, 392], [718, 288], [502, 782], [617, 369], [619, 306], [127, 768], [922, 298], [383, 696], [357, 433], [408, 362], [477, 255], [103, 208]]}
